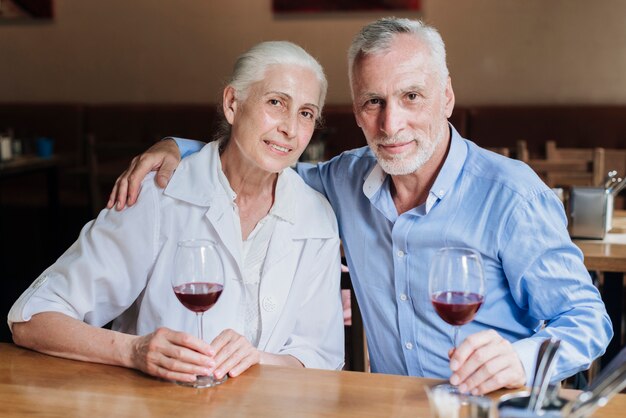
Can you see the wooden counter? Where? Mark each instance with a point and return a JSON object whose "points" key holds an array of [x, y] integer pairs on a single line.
{"points": [[33, 384], [609, 257]]}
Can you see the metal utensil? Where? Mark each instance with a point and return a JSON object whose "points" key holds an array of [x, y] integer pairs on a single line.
{"points": [[552, 394], [618, 186], [609, 178], [611, 380], [539, 366], [543, 371]]}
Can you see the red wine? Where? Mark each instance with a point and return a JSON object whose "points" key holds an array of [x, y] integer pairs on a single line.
{"points": [[198, 296], [456, 308]]}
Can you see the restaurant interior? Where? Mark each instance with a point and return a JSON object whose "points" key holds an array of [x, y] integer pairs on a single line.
{"points": [[88, 88]]}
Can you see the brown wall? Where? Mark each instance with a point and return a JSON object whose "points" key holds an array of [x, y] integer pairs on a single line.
{"points": [[145, 51]]}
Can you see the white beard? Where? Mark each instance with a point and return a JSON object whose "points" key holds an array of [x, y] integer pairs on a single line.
{"points": [[402, 164]]}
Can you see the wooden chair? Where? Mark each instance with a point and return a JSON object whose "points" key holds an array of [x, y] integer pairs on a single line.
{"points": [[520, 152], [574, 166], [357, 358], [500, 150]]}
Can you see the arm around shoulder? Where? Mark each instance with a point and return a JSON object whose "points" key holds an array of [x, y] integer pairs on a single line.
{"points": [[163, 157]]}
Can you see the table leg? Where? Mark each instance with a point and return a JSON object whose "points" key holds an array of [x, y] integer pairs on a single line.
{"points": [[613, 295]]}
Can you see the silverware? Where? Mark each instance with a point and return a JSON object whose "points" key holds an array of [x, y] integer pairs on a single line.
{"points": [[543, 371], [552, 394], [609, 178], [610, 381], [618, 186]]}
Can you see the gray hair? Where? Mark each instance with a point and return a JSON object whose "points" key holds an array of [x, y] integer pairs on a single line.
{"points": [[252, 65], [377, 36]]}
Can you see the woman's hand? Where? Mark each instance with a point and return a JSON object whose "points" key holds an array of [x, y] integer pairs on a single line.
{"points": [[234, 354], [172, 355]]}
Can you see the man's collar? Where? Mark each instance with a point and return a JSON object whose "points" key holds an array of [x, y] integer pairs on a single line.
{"points": [[452, 166], [445, 179]]}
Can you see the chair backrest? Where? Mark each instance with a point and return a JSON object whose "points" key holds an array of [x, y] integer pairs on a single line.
{"points": [[521, 150], [590, 171], [500, 150]]}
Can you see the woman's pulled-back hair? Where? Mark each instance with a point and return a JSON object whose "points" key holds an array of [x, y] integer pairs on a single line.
{"points": [[252, 65]]}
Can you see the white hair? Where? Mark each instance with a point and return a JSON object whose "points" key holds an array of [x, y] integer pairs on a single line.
{"points": [[252, 65], [377, 36]]}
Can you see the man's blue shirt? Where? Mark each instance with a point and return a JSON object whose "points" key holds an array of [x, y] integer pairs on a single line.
{"points": [[536, 283]]}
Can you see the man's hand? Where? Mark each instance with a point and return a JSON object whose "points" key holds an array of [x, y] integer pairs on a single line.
{"points": [[163, 156], [172, 355], [234, 354], [485, 362]]}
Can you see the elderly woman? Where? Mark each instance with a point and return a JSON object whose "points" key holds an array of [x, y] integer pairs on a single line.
{"points": [[281, 304]]}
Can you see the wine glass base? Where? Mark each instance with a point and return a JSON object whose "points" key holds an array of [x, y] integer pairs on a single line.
{"points": [[204, 382], [447, 387], [447, 401]]}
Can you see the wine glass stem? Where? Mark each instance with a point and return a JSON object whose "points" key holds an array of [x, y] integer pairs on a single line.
{"points": [[456, 337], [200, 327]]}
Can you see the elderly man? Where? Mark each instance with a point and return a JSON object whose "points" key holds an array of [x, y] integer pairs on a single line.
{"points": [[420, 186]]}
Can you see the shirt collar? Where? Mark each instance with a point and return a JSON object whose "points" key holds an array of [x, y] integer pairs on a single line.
{"points": [[446, 178], [199, 179], [450, 170], [284, 207]]}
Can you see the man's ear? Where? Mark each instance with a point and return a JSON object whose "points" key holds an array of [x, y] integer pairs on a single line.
{"points": [[229, 104], [450, 100], [355, 114]]}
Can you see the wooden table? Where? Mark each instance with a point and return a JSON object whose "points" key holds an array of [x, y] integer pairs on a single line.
{"points": [[609, 256], [33, 384]]}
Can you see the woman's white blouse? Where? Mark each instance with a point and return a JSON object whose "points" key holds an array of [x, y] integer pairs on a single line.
{"points": [[120, 267]]}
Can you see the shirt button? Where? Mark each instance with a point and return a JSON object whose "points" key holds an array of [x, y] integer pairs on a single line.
{"points": [[409, 346], [400, 253], [403, 296], [268, 304]]}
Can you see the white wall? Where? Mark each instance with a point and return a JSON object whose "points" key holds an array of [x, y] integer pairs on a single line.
{"points": [[499, 51]]}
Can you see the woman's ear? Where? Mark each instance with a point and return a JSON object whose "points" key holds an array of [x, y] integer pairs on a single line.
{"points": [[229, 104]]}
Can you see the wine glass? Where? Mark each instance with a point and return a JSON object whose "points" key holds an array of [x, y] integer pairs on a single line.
{"points": [[198, 282], [456, 286]]}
